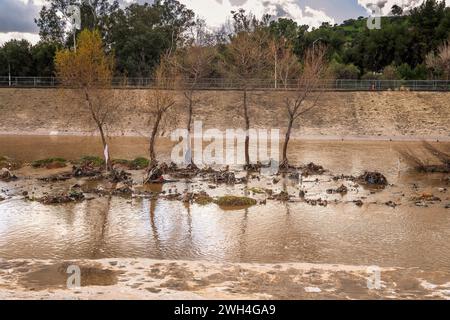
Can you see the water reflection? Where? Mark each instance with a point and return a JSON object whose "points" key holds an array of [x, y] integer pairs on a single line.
{"points": [[277, 232]]}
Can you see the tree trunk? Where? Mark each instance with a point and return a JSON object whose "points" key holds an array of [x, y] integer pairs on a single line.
{"points": [[189, 124], [153, 138], [100, 128], [102, 134], [285, 162], [247, 129]]}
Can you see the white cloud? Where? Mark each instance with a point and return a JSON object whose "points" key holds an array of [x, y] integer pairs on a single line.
{"points": [[216, 12], [31, 37], [386, 5]]}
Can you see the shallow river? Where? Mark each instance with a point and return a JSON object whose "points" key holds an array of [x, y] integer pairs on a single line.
{"points": [[407, 236]]}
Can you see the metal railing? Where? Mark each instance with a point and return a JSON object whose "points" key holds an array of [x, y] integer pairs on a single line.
{"points": [[253, 84]]}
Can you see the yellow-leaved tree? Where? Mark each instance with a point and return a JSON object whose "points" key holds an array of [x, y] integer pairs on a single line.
{"points": [[88, 71]]}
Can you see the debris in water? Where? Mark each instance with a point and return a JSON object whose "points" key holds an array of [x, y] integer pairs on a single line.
{"points": [[312, 169], [282, 196], [6, 175], [359, 203], [73, 195], [341, 190], [85, 171], [391, 204], [373, 178], [57, 177]]}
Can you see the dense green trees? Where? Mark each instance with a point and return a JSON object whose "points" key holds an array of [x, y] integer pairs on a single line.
{"points": [[139, 34], [15, 56]]}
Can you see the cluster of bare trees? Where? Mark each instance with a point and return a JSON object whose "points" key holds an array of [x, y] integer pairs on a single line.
{"points": [[251, 53]]}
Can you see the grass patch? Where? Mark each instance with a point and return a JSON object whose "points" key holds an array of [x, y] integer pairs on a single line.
{"points": [[49, 163], [140, 163], [203, 199], [233, 201], [92, 161]]}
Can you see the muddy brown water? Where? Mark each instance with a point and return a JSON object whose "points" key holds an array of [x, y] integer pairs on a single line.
{"points": [[375, 234]]}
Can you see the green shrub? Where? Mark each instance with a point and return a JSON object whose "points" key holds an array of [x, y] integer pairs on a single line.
{"points": [[233, 201], [93, 161], [140, 163]]}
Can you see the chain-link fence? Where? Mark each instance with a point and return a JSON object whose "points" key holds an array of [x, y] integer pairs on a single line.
{"points": [[250, 84]]}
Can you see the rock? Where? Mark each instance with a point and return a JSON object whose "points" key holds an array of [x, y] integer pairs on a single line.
{"points": [[373, 178], [359, 203], [442, 190]]}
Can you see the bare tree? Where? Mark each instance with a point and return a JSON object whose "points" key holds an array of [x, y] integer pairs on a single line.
{"points": [[194, 65], [88, 72], [286, 63], [247, 57], [158, 101], [307, 93]]}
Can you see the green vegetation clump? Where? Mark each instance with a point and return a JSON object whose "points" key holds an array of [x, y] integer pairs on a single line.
{"points": [[257, 191], [140, 163], [49, 163], [203, 199], [92, 161], [234, 201]]}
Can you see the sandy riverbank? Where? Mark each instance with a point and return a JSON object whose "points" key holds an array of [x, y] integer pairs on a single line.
{"points": [[382, 115], [157, 279]]}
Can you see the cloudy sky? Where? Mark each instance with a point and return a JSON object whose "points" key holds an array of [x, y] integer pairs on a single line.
{"points": [[17, 16]]}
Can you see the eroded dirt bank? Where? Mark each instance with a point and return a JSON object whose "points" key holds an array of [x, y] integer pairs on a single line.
{"points": [[340, 114], [158, 279]]}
